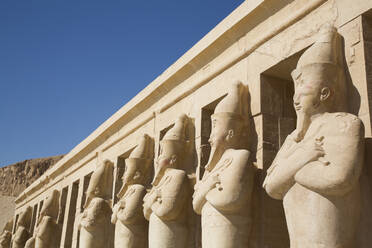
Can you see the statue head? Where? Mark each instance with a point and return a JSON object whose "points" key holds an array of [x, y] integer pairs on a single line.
{"points": [[229, 123], [138, 164], [51, 206], [100, 184], [319, 80], [25, 218], [172, 148]]}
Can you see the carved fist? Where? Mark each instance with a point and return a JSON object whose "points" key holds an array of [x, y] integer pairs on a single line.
{"points": [[209, 183], [313, 150]]}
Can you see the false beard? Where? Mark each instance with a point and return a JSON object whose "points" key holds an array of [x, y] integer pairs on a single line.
{"points": [[122, 190], [214, 157], [303, 123], [158, 174]]}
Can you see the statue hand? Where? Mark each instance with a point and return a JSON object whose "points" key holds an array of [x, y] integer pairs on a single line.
{"points": [[209, 183], [150, 198], [313, 150]]}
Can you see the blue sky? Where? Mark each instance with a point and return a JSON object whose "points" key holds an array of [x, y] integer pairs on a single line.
{"points": [[67, 66]]}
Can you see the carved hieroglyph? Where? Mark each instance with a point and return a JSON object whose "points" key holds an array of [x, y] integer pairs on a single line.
{"points": [[22, 233], [94, 223], [6, 235], [223, 195], [166, 205], [47, 231], [130, 225], [317, 170]]}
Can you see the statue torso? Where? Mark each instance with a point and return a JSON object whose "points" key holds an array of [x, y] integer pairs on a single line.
{"points": [[317, 220], [170, 233], [227, 229], [133, 234], [95, 224]]}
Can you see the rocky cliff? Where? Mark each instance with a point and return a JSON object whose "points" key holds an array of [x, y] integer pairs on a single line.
{"points": [[16, 177]]}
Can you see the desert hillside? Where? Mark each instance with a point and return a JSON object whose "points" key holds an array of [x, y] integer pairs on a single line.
{"points": [[15, 178]]}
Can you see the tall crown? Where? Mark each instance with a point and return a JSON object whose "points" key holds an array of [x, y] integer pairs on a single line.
{"points": [[326, 50], [177, 132], [25, 218], [51, 205], [235, 104], [141, 157], [143, 149], [100, 182]]}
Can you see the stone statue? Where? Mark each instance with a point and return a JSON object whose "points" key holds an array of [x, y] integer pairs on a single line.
{"points": [[47, 229], [94, 223], [166, 205], [130, 224], [22, 233], [223, 196], [316, 172], [6, 235]]}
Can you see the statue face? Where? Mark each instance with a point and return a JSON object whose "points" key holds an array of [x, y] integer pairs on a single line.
{"points": [[219, 132], [129, 174], [165, 157], [221, 135], [306, 99]]}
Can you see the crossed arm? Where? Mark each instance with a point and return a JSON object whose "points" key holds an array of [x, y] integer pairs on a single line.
{"points": [[335, 176]]}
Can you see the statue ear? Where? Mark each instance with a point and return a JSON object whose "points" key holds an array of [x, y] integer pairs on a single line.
{"points": [[325, 93], [230, 134], [173, 159], [137, 175]]}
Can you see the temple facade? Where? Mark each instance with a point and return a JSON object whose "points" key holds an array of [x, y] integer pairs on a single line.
{"points": [[259, 136]]}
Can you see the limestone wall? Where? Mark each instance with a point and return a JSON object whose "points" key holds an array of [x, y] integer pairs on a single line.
{"points": [[258, 44]]}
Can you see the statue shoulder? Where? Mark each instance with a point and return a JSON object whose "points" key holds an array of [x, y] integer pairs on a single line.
{"points": [[174, 179], [178, 174], [239, 156], [344, 123], [138, 187]]}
